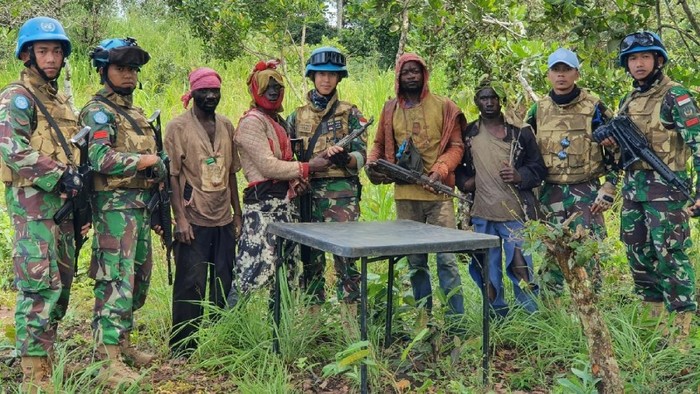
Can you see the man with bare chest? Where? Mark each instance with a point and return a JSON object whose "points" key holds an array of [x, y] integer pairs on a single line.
{"points": [[203, 170]]}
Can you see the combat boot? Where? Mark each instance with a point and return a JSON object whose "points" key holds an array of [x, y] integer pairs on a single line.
{"points": [[37, 375], [114, 372], [681, 331], [139, 358]]}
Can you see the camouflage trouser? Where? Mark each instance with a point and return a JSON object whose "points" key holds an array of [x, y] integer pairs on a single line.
{"points": [[121, 266], [43, 266], [333, 200], [558, 203], [256, 255], [657, 235]]}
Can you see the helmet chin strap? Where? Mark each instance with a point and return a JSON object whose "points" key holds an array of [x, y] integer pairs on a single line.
{"points": [[652, 75], [32, 62], [115, 89]]}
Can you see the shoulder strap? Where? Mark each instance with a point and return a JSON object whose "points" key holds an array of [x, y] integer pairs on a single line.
{"points": [[51, 120], [121, 112], [319, 128]]}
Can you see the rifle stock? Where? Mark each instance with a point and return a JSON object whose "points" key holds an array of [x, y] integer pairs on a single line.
{"points": [[400, 174], [159, 204], [79, 206]]}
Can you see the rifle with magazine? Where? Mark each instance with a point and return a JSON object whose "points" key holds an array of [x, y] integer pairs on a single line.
{"points": [[400, 174], [79, 205], [634, 147], [159, 204]]}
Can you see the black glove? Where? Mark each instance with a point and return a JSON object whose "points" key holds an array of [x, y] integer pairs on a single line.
{"points": [[70, 182], [376, 177], [340, 159]]}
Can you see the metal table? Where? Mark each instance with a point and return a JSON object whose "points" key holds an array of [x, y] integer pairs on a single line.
{"points": [[373, 241]]}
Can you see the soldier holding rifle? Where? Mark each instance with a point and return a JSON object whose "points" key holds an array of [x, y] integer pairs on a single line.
{"points": [[122, 150], [654, 224], [334, 193]]}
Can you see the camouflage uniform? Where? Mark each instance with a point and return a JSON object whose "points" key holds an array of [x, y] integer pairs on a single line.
{"points": [[32, 164], [121, 251], [335, 193], [654, 225], [575, 164]]}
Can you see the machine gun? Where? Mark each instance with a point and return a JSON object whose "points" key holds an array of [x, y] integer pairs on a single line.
{"points": [[400, 174], [159, 204], [634, 147], [79, 205]]}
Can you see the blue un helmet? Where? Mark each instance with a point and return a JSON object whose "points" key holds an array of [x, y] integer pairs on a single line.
{"points": [[42, 29], [326, 59], [123, 52], [644, 41]]}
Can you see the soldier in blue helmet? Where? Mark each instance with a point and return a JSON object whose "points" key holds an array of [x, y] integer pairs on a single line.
{"points": [[335, 192], [38, 173], [654, 224], [123, 154]]}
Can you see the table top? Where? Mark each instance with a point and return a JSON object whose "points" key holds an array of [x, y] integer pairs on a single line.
{"points": [[390, 238]]}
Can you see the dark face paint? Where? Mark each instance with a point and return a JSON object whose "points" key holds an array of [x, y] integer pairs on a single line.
{"points": [[207, 99], [272, 93]]}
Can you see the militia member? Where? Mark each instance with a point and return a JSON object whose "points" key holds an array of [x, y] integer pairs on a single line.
{"points": [[122, 152], [501, 165], [432, 125], [335, 193], [39, 171], [203, 170], [653, 225], [564, 121], [266, 156]]}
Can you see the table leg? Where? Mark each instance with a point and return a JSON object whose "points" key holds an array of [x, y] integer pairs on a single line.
{"points": [[276, 296], [389, 303], [481, 257], [363, 321]]}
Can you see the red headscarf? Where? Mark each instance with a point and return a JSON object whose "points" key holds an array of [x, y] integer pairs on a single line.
{"points": [[201, 78], [259, 80]]}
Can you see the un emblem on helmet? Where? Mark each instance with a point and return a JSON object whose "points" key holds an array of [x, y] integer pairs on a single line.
{"points": [[48, 26]]}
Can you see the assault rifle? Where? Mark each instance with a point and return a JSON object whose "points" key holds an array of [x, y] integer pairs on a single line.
{"points": [[634, 147], [345, 141], [159, 204], [79, 205], [400, 174]]}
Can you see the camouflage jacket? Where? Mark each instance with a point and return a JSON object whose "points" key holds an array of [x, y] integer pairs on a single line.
{"points": [[113, 163], [671, 131], [28, 146]]}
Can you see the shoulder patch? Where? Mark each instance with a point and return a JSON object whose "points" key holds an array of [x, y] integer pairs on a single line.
{"points": [[100, 117], [21, 102]]}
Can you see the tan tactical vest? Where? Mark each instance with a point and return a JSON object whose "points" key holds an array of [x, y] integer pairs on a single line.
{"points": [[127, 140], [307, 120], [43, 138], [645, 109], [584, 157]]}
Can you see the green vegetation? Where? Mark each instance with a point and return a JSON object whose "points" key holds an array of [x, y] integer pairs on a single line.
{"points": [[545, 352]]}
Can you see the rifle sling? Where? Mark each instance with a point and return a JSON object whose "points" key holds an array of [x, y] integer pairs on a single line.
{"points": [[121, 112], [51, 120], [312, 142]]}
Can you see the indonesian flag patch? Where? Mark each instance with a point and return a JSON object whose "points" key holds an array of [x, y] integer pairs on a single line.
{"points": [[683, 100], [692, 122]]}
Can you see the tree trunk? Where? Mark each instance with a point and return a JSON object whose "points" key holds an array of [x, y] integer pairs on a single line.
{"points": [[404, 31], [68, 86], [339, 14], [691, 17], [603, 362]]}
